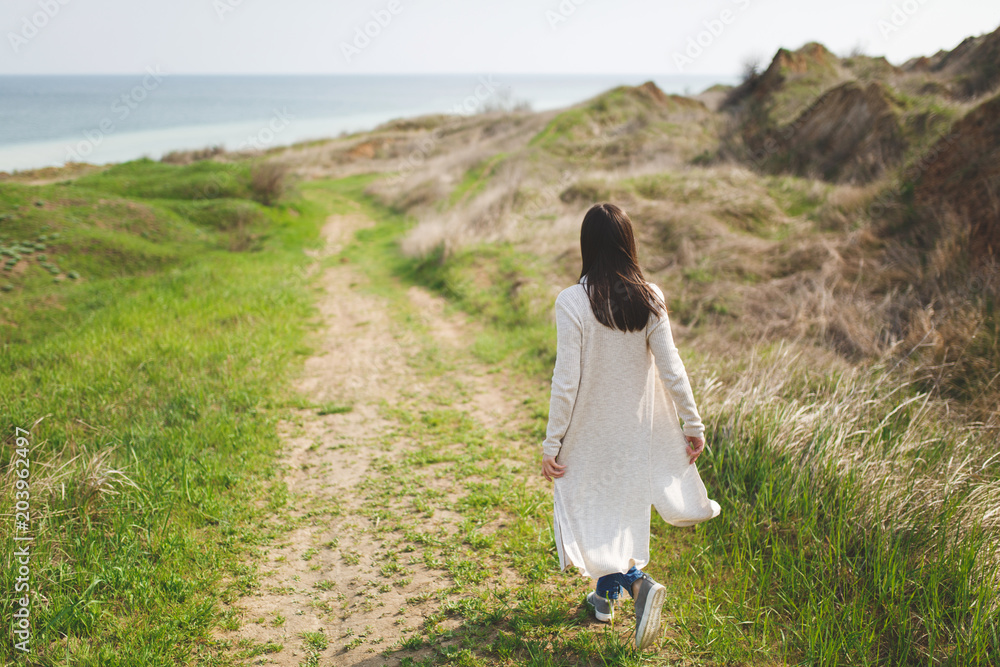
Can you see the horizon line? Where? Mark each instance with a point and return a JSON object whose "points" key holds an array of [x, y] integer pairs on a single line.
{"points": [[479, 73]]}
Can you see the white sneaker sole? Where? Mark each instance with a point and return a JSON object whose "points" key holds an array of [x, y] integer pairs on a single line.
{"points": [[648, 629]]}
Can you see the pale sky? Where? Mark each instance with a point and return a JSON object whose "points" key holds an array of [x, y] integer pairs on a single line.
{"points": [[471, 36]]}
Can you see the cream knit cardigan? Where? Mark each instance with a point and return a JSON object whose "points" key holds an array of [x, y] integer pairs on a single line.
{"points": [[613, 426]]}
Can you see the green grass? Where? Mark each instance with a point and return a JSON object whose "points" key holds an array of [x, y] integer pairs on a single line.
{"points": [[800, 88], [169, 355], [475, 179], [750, 212], [148, 179], [572, 133], [165, 361], [564, 126], [333, 409], [812, 561], [796, 196]]}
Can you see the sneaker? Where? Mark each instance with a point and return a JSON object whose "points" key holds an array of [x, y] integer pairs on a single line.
{"points": [[604, 609], [648, 603]]}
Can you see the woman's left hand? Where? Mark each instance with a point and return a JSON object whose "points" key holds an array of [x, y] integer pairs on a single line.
{"points": [[551, 469]]}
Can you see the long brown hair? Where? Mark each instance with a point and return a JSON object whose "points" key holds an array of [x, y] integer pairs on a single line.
{"points": [[618, 293]]}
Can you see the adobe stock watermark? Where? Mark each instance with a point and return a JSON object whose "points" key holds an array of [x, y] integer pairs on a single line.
{"points": [[563, 11], [714, 28], [21, 562], [224, 7], [35, 23], [363, 35], [553, 190], [266, 135], [774, 142], [985, 280], [470, 104], [220, 183], [121, 109], [900, 16]]}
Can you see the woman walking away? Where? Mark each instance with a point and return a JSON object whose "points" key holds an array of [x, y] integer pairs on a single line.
{"points": [[614, 447]]}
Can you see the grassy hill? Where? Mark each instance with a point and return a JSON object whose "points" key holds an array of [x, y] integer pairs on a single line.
{"points": [[792, 211], [825, 239], [826, 236], [148, 317]]}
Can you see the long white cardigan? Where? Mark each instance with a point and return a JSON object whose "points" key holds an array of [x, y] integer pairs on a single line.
{"points": [[613, 426]]}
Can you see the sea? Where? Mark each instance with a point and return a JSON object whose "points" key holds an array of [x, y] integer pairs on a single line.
{"points": [[53, 119]]}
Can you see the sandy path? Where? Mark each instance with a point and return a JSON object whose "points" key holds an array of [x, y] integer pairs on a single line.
{"points": [[335, 573]]}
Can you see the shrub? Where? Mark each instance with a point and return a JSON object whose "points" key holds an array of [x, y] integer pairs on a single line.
{"points": [[267, 181]]}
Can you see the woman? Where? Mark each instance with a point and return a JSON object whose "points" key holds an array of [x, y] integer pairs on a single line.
{"points": [[614, 447]]}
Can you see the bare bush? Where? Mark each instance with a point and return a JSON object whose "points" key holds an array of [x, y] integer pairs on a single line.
{"points": [[504, 102], [489, 217], [268, 181], [187, 157], [845, 206], [750, 67]]}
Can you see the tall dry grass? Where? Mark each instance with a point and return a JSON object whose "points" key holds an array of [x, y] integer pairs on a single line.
{"points": [[76, 487], [858, 506]]}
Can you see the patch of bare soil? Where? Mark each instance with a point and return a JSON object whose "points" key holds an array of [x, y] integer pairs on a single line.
{"points": [[849, 134], [961, 182]]}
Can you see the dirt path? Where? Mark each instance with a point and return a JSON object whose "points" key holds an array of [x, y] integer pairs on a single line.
{"points": [[341, 586]]}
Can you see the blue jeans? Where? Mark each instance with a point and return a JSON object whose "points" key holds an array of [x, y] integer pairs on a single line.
{"points": [[608, 585]]}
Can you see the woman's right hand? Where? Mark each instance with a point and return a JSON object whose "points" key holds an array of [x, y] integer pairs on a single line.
{"points": [[695, 447], [551, 469]]}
